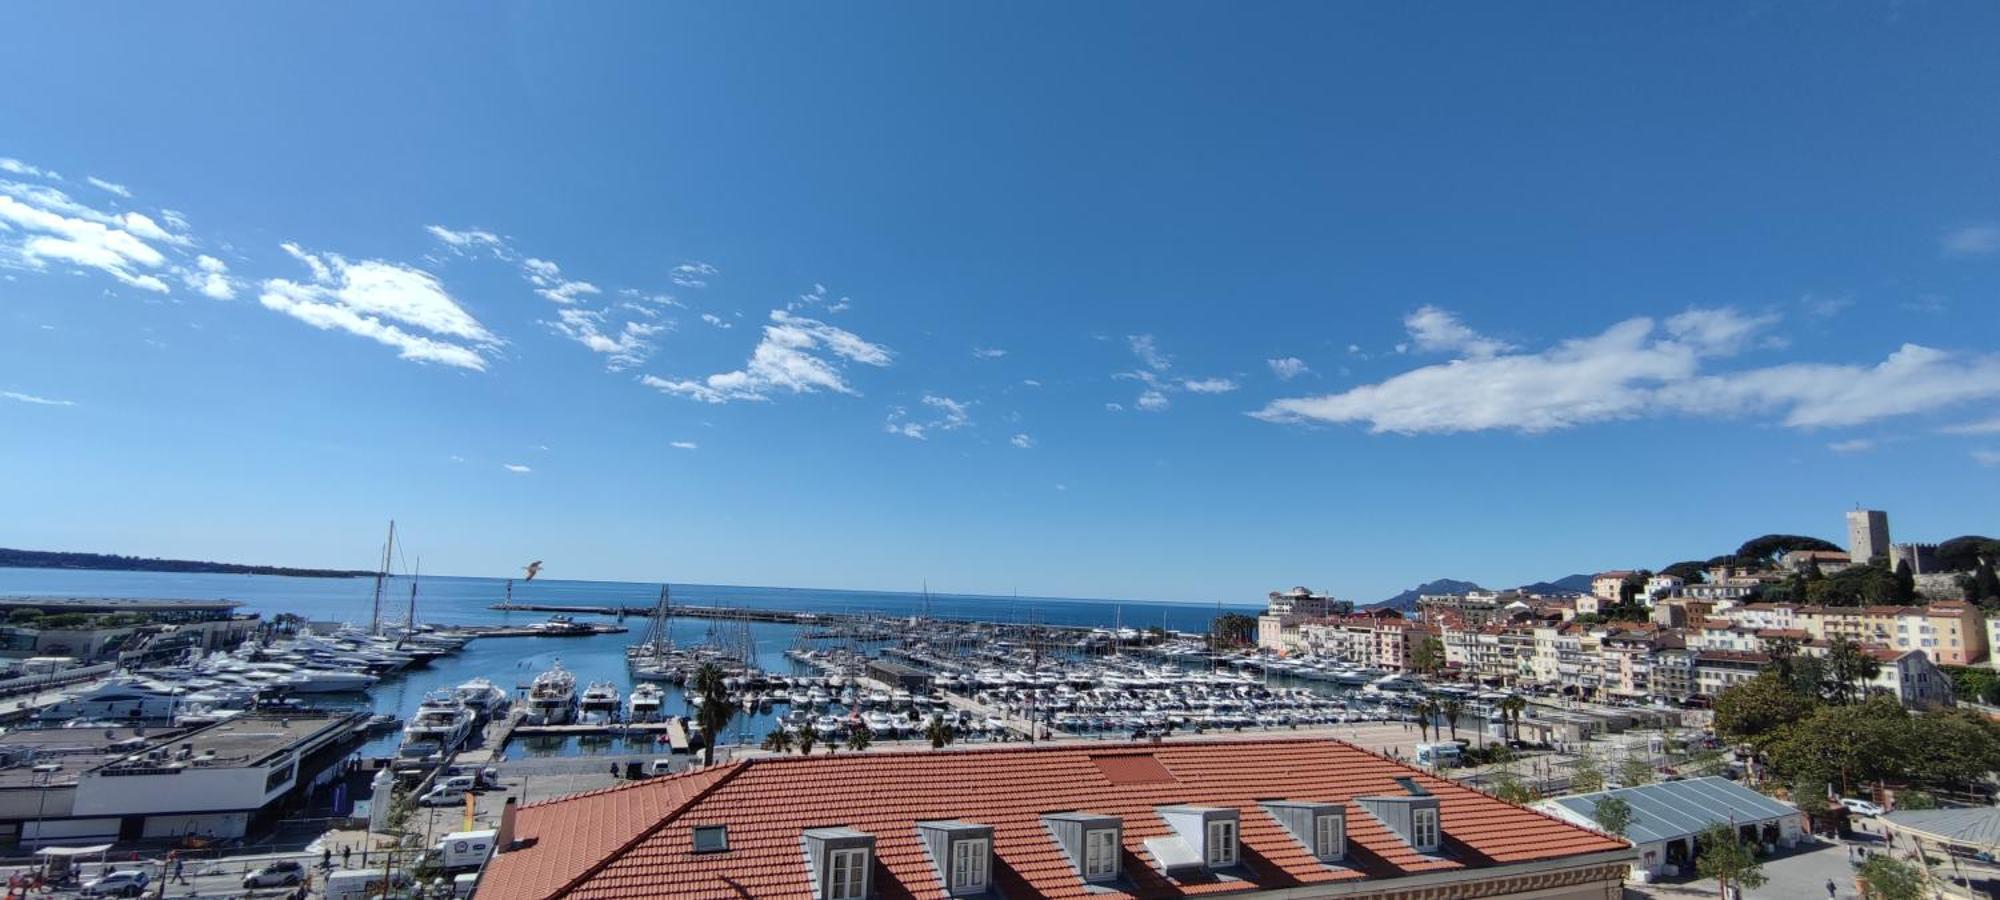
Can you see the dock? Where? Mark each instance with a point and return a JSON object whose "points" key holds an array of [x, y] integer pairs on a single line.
{"points": [[505, 632]]}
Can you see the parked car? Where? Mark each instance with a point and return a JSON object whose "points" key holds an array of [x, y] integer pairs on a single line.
{"points": [[1860, 807], [284, 873], [122, 883]]}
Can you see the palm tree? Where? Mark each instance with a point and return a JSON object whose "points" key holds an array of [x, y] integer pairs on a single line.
{"points": [[779, 740], [939, 732], [858, 740], [1510, 711], [715, 711], [1452, 709], [1423, 710], [808, 736]]}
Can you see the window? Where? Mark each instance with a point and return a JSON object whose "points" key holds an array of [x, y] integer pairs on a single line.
{"points": [[1327, 839], [710, 838], [847, 874], [1221, 844], [1424, 829], [1100, 853], [968, 864]]}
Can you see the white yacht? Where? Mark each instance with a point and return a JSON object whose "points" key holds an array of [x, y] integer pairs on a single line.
{"points": [[552, 698], [599, 704], [645, 703], [437, 729], [481, 695], [119, 699]]}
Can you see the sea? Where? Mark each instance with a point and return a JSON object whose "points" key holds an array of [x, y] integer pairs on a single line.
{"points": [[512, 662]]}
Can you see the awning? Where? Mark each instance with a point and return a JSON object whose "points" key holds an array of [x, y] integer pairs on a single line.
{"points": [[74, 851], [1977, 827]]}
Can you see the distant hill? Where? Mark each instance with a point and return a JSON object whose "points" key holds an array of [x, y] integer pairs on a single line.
{"points": [[1568, 584], [1407, 600], [46, 559]]}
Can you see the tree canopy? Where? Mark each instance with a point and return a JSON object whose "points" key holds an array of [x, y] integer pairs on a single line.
{"points": [[1234, 630], [1871, 584], [1727, 860], [1691, 570], [1962, 553], [1769, 547]]}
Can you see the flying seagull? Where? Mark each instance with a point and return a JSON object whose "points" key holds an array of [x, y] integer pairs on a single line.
{"points": [[534, 568]]}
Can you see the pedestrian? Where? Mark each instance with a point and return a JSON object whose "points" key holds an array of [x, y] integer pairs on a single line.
{"points": [[326, 858], [345, 854], [179, 875], [1831, 890], [614, 770]]}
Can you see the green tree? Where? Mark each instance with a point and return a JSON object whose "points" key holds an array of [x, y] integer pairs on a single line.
{"points": [[1985, 584], [1849, 669], [1507, 786], [1586, 775], [1692, 570], [1725, 859], [1962, 553], [1906, 582], [1916, 800], [1510, 710], [1752, 712], [1768, 548], [1613, 815], [1857, 585], [1847, 744], [859, 739], [939, 732], [1634, 771], [1233, 630], [716, 710], [1974, 683], [807, 737], [778, 740], [1427, 657], [1889, 878], [1952, 747], [1452, 708]]}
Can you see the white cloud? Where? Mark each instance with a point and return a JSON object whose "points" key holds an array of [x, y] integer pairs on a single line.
{"points": [[210, 276], [988, 353], [16, 167], [1982, 239], [549, 282], [1820, 306], [32, 399], [367, 298], [1209, 385], [627, 345], [1639, 368], [793, 357], [1854, 445], [945, 414], [684, 445], [1438, 331], [1989, 426], [1022, 441], [516, 468], [715, 320], [39, 225], [1288, 368], [1030, 382], [1148, 351], [820, 297], [108, 187], [694, 274], [470, 240], [1114, 407], [1986, 457], [1153, 401]]}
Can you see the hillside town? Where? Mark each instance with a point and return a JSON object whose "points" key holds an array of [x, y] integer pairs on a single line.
{"points": [[1679, 636]]}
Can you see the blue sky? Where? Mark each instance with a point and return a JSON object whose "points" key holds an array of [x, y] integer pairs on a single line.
{"points": [[1160, 301]]}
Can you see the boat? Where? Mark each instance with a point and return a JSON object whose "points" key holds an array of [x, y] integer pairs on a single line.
{"points": [[437, 729], [645, 703], [562, 626], [119, 699], [552, 698], [599, 705], [481, 695]]}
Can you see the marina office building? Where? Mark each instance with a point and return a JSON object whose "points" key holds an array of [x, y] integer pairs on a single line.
{"points": [[226, 780]]}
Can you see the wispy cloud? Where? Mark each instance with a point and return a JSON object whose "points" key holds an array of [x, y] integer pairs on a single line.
{"points": [[797, 355], [1988, 426], [1147, 349], [16, 167], [210, 276], [1209, 385], [1288, 367], [1156, 384], [1986, 457], [684, 445], [1022, 441], [549, 282], [516, 468], [1853, 445], [1640, 367], [1982, 239], [940, 413], [465, 242], [988, 353], [693, 273], [1435, 330], [32, 399], [39, 225], [715, 320], [625, 345], [373, 299], [818, 297], [108, 187]]}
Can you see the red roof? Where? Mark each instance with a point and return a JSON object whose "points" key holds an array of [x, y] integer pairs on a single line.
{"points": [[636, 840]]}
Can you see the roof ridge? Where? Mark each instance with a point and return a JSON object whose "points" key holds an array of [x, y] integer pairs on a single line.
{"points": [[729, 773], [1087, 748], [642, 784]]}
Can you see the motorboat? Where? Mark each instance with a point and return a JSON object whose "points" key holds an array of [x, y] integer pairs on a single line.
{"points": [[119, 699], [561, 626], [481, 695], [599, 704], [645, 703], [437, 729], [552, 697]]}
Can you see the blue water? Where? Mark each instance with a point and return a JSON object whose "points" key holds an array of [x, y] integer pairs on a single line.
{"points": [[509, 662]]}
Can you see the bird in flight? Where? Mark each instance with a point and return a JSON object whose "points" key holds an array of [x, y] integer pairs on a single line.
{"points": [[534, 568]]}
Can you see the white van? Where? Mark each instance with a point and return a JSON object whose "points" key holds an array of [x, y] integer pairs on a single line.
{"points": [[458, 782], [465, 849], [360, 884], [442, 795]]}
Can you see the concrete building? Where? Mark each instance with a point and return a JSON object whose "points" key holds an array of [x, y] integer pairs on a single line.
{"points": [[1909, 676], [1280, 818], [1801, 561], [1278, 627], [1867, 535], [87, 785]]}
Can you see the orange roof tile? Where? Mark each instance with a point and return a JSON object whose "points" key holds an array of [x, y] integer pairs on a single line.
{"points": [[637, 841]]}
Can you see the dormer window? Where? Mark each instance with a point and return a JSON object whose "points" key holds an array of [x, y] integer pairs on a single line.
{"points": [[1221, 843], [1424, 830], [969, 865], [962, 853], [1329, 842], [1100, 854], [847, 875]]}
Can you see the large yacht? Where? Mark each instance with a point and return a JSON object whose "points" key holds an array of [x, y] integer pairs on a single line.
{"points": [[552, 699], [119, 699], [437, 729], [599, 705], [481, 695], [645, 702]]}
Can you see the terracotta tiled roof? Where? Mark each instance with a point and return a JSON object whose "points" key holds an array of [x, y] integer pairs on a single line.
{"points": [[636, 841]]}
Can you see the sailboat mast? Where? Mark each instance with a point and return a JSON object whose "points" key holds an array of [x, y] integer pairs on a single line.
{"points": [[382, 574], [410, 624]]}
